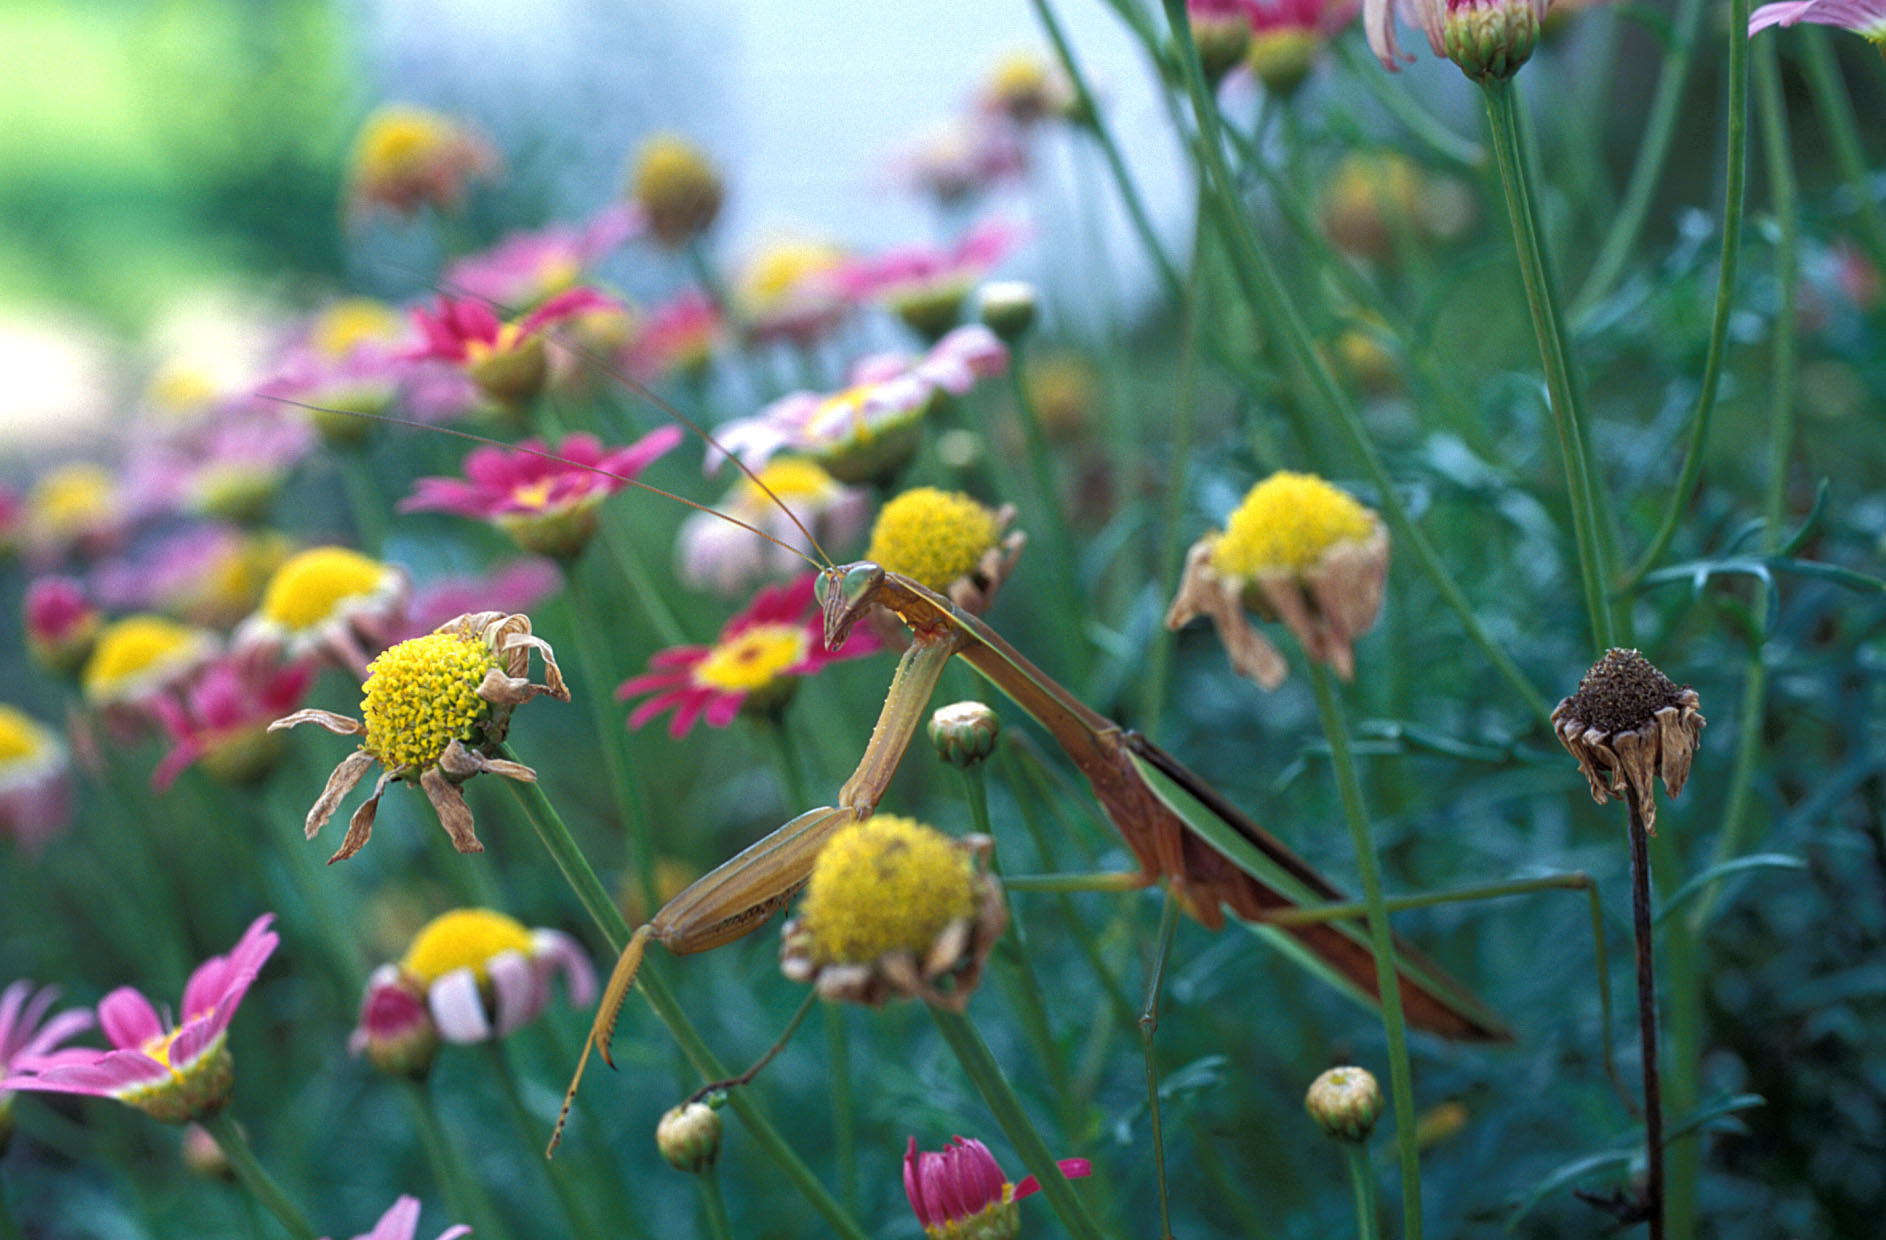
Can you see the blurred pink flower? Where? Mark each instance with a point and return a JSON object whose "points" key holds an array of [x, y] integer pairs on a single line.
{"points": [[61, 623], [716, 554], [964, 158], [1866, 18], [25, 1033], [466, 330], [515, 586], [175, 1074], [401, 1221], [754, 665], [963, 1182], [925, 284], [221, 717], [228, 465], [481, 975], [526, 267], [682, 333], [396, 1031], [35, 781]]}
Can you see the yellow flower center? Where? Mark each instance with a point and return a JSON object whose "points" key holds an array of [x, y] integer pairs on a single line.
{"points": [[181, 388], [885, 884], [137, 647], [73, 497], [754, 659], [777, 270], [465, 938], [21, 739], [1287, 522], [421, 695], [310, 587], [346, 325], [1018, 76], [791, 479], [395, 141], [533, 494], [932, 536]]}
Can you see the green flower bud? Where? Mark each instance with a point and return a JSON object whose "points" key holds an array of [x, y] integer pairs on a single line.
{"points": [[1346, 1102], [964, 733], [689, 1136]]}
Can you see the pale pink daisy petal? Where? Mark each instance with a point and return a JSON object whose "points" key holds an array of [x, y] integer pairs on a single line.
{"points": [[457, 1007], [519, 992], [556, 952]]}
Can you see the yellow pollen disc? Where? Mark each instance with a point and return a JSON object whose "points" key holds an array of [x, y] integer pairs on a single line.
{"points": [[346, 325], [421, 695], [136, 646], [792, 479], [777, 270], [396, 140], [754, 659], [1018, 75], [465, 938], [532, 494], [310, 587], [72, 497], [932, 536], [885, 884], [20, 737], [1287, 522]]}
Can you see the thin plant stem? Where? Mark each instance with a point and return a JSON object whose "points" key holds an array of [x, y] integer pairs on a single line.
{"points": [[772, 1052], [611, 734], [260, 1184], [569, 1200], [653, 988], [1555, 356], [364, 501], [1148, 1026], [844, 1105], [1647, 169], [1734, 203], [1096, 124], [983, 1071], [1647, 1013], [1362, 1181], [1843, 133], [465, 1194], [1400, 1077], [713, 1205], [1053, 514], [791, 771], [1277, 308]]}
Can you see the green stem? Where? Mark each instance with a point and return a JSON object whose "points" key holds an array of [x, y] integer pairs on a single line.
{"points": [[1277, 308], [364, 501], [1652, 152], [1097, 125], [568, 1199], [1148, 1026], [254, 1178], [1647, 1015], [465, 1194], [1732, 207], [713, 1205], [1555, 356], [594, 897], [1362, 1179], [1843, 132], [1412, 113], [791, 771], [1053, 512], [844, 1108], [1400, 1077], [980, 1066]]}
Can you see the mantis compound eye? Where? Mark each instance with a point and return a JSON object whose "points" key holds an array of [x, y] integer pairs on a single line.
{"points": [[858, 583], [821, 587]]}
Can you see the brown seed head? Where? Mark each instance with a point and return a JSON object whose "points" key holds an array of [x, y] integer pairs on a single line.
{"points": [[1629, 726]]}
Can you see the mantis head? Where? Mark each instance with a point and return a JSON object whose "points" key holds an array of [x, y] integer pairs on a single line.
{"points": [[844, 592]]}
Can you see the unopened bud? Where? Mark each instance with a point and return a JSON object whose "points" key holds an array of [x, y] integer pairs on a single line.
{"points": [[1345, 1102], [203, 1157], [1007, 308], [964, 733], [689, 1136], [1490, 39]]}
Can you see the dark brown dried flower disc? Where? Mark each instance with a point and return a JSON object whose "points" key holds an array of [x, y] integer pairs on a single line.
{"points": [[1622, 692]]}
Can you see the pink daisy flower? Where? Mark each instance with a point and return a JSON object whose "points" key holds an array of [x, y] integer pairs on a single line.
{"points": [[175, 1073], [1866, 18], [25, 1033], [221, 717], [505, 359], [960, 1190], [753, 666], [925, 284], [682, 333], [514, 586], [544, 499], [526, 267], [401, 1221], [61, 623]]}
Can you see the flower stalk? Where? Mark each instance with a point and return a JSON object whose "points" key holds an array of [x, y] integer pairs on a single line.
{"points": [[1647, 1013], [254, 1177]]}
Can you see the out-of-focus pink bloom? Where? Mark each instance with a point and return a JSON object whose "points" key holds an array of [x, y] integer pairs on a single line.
{"points": [[869, 429], [172, 1073], [396, 1031], [35, 783], [681, 334], [505, 359], [75, 508], [210, 575], [330, 601], [925, 284], [964, 158], [1866, 18], [221, 719], [716, 554], [516, 586], [12, 517], [1024, 87], [480, 974], [789, 291], [949, 1188], [754, 665], [226, 466], [61, 621], [25, 1032], [350, 360], [401, 1221], [526, 267], [545, 500]]}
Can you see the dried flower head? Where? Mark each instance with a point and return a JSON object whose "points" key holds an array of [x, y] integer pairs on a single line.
{"points": [[1296, 550], [1629, 725], [895, 907], [947, 542], [434, 711]]}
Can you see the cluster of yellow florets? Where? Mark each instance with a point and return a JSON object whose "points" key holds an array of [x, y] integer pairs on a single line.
{"points": [[139, 649], [1287, 522], [465, 938], [421, 695], [932, 536], [21, 739], [311, 586], [882, 885]]}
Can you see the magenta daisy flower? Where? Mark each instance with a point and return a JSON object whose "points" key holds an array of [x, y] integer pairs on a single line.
{"points": [[753, 666], [960, 1190], [925, 285], [544, 499], [25, 1033], [175, 1073], [1486, 38], [401, 1221], [1866, 18], [221, 718], [682, 333], [526, 267], [505, 359]]}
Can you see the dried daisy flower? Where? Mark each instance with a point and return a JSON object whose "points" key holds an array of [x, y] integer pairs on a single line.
{"points": [[1629, 725], [1296, 550], [434, 711], [947, 542], [330, 601], [895, 908]]}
